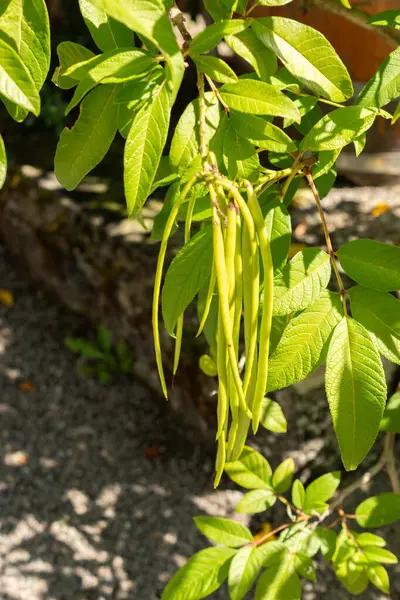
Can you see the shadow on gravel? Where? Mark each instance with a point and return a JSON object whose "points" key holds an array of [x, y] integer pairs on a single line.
{"points": [[98, 485]]}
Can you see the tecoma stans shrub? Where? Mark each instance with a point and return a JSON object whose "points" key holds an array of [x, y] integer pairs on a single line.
{"points": [[238, 153]]}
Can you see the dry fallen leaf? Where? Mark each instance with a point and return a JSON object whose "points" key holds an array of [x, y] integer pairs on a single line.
{"points": [[27, 386], [7, 298], [153, 452], [300, 229], [380, 209], [265, 528]]}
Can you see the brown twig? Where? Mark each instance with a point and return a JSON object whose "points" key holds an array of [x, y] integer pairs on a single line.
{"points": [[386, 461], [331, 252], [177, 19]]}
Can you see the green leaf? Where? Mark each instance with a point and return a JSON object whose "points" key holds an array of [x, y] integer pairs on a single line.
{"points": [[187, 274], [256, 501], [391, 416], [16, 83], [320, 490], [243, 571], [150, 19], [282, 477], [259, 98], [304, 567], [301, 281], [25, 23], [279, 583], [272, 417], [384, 85], [201, 576], [105, 338], [125, 119], [359, 143], [217, 9], [247, 45], [251, 470], [107, 33], [326, 160], [273, 553], [387, 18], [240, 158], [3, 162], [294, 43], [379, 312], [215, 67], [144, 147], [81, 148], [373, 264], [369, 539], [327, 541], [303, 342], [185, 142], [356, 580], [211, 36], [396, 114], [339, 128], [273, 2], [279, 228], [325, 183], [298, 494], [379, 577], [380, 555], [69, 54], [87, 350], [224, 531], [377, 511], [262, 133], [356, 390], [114, 66], [305, 104]]}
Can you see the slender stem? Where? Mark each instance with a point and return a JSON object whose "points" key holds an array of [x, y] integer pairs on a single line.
{"points": [[293, 173], [385, 461], [337, 104], [177, 19], [252, 7], [270, 534], [216, 92], [202, 116], [328, 241], [390, 464]]}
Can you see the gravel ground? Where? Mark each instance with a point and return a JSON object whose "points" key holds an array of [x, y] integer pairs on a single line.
{"points": [[98, 485]]}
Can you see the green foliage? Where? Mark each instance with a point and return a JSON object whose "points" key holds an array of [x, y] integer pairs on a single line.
{"points": [[102, 359], [356, 390], [282, 313], [379, 510]]}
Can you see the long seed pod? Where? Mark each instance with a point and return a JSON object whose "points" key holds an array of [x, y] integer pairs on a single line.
{"points": [[210, 294], [265, 328], [250, 281], [220, 460], [243, 424], [222, 283], [179, 326], [238, 301], [230, 256], [158, 277], [222, 363]]}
